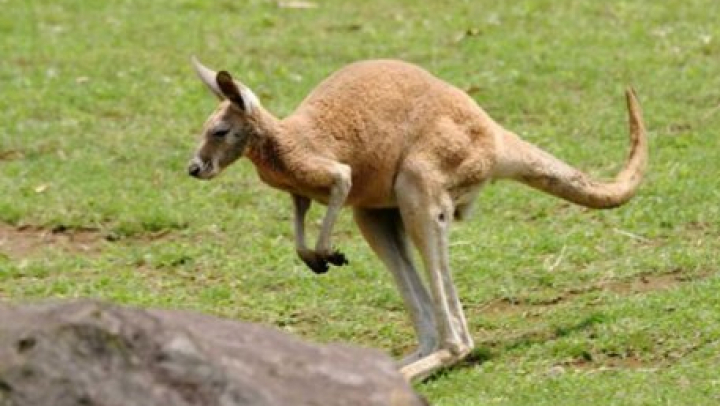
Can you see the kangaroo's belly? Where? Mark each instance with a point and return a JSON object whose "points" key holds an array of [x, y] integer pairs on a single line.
{"points": [[372, 189]]}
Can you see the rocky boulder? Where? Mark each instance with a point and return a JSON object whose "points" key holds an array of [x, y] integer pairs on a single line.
{"points": [[96, 354]]}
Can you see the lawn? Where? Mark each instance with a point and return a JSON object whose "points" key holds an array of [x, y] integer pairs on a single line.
{"points": [[101, 112]]}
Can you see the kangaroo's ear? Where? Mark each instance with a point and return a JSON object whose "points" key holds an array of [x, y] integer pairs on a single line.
{"points": [[207, 76], [236, 92], [230, 89], [224, 87]]}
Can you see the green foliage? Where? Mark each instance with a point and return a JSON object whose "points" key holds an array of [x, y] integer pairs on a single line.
{"points": [[100, 111]]}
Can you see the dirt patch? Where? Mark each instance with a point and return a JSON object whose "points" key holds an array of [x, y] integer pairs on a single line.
{"points": [[11, 155], [635, 285], [646, 283], [607, 363], [26, 241]]}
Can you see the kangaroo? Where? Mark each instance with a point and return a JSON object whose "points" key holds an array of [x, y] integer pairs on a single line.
{"points": [[409, 153]]}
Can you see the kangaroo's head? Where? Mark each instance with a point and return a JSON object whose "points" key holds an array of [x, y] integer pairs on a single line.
{"points": [[228, 130]]}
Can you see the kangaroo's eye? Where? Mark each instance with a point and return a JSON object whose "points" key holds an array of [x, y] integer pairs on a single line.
{"points": [[220, 132]]}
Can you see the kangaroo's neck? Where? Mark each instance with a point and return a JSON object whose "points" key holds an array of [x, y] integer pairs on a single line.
{"points": [[265, 145]]}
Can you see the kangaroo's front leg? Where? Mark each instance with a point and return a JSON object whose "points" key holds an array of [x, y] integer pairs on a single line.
{"points": [[301, 205], [339, 177]]}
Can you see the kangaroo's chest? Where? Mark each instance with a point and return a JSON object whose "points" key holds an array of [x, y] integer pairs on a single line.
{"points": [[287, 183]]}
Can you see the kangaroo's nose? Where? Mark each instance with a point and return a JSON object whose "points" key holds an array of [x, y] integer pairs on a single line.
{"points": [[194, 169]]}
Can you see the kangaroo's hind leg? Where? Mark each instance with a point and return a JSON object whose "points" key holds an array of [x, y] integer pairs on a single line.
{"points": [[427, 211], [384, 232]]}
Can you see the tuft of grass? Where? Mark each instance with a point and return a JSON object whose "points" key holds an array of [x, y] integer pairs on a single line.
{"points": [[101, 110]]}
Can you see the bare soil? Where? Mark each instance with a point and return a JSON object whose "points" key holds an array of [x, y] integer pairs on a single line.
{"points": [[638, 284], [27, 241]]}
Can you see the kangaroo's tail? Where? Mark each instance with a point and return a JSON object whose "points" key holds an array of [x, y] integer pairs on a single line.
{"points": [[526, 163]]}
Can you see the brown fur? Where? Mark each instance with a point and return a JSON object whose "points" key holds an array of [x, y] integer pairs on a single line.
{"points": [[373, 115], [408, 152]]}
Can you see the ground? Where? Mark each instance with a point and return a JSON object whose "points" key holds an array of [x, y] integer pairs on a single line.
{"points": [[101, 111]]}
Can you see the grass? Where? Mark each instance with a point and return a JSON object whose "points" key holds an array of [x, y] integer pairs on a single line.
{"points": [[100, 112]]}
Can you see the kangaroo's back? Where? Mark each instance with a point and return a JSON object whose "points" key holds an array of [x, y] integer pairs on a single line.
{"points": [[372, 114], [388, 97]]}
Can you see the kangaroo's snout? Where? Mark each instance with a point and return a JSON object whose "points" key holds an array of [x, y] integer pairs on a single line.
{"points": [[194, 169]]}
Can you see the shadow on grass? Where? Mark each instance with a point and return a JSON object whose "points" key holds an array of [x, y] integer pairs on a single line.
{"points": [[540, 336], [493, 349], [478, 356]]}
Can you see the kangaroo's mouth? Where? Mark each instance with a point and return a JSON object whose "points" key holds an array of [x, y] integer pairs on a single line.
{"points": [[202, 170]]}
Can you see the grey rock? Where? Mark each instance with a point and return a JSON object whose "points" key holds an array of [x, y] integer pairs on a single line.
{"points": [[88, 353]]}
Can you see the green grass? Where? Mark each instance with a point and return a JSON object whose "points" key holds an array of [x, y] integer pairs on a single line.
{"points": [[100, 112]]}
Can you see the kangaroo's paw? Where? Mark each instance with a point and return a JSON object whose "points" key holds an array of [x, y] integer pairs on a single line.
{"points": [[337, 258], [320, 262]]}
